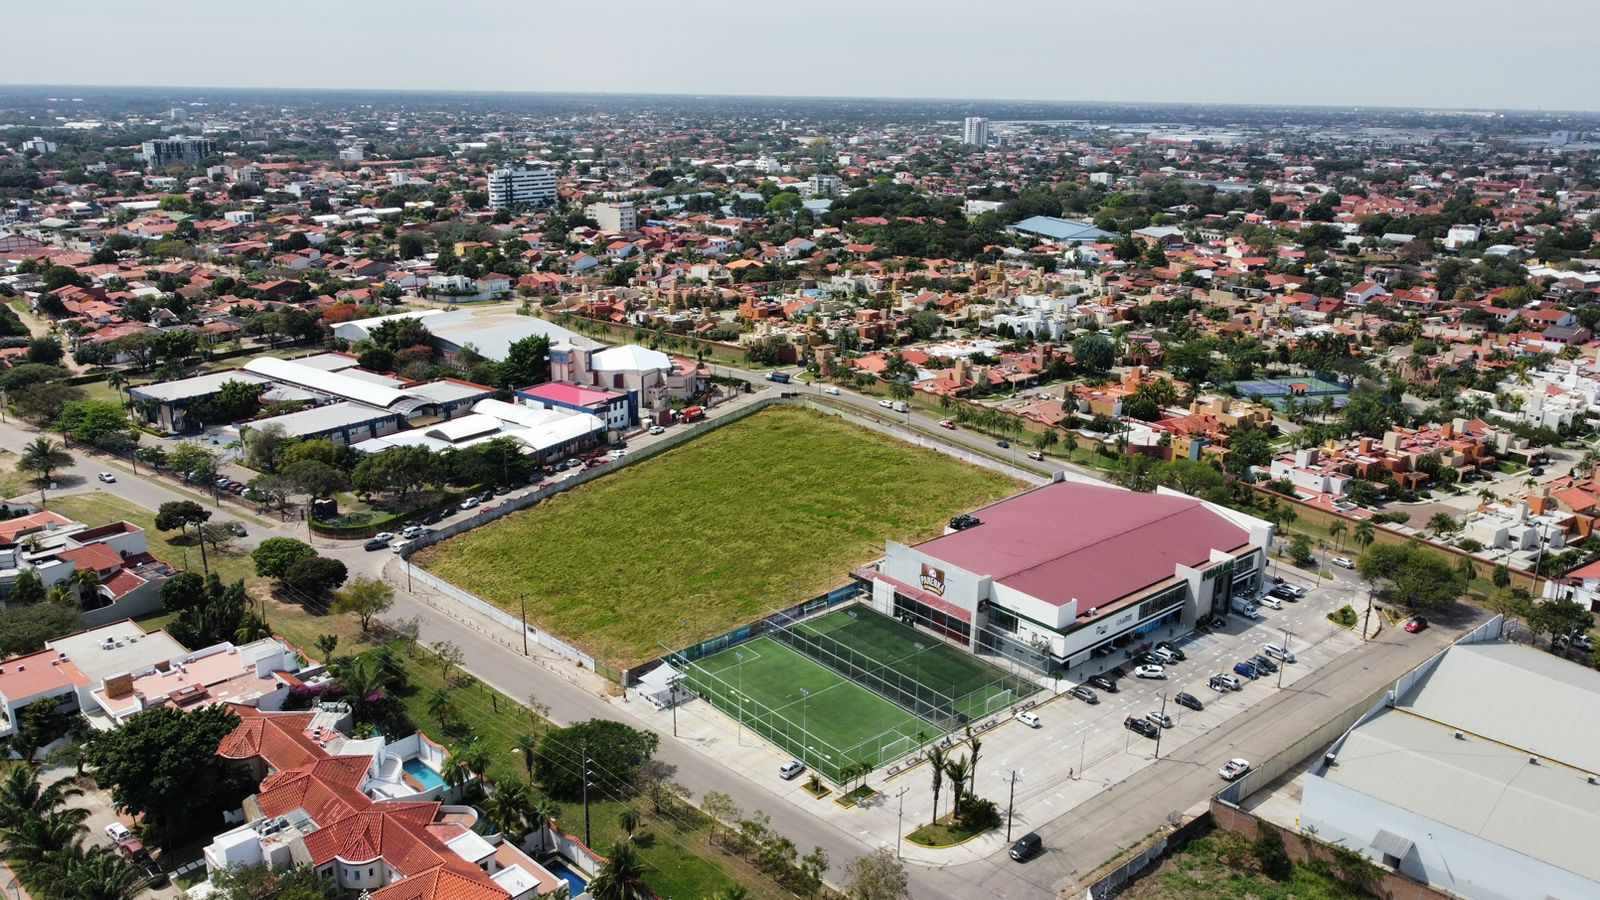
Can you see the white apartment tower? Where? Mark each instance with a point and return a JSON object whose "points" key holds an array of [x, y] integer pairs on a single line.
{"points": [[518, 185], [975, 132], [614, 217]]}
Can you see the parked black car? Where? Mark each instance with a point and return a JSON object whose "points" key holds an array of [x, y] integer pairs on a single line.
{"points": [[1189, 701], [1170, 648], [1116, 671], [1108, 685], [375, 544], [1264, 664], [1141, 726]]}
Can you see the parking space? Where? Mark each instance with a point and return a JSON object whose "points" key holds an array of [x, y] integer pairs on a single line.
{"points": [[1081, 749]]}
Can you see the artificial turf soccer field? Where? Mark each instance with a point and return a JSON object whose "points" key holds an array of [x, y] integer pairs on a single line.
{"points": [[975, 686], [847, 722]]}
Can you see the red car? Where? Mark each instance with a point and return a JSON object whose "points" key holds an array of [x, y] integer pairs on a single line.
{"points": [[1415, 625]]}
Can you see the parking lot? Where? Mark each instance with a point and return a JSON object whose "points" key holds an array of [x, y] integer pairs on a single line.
{"points": [[1082, 749]]}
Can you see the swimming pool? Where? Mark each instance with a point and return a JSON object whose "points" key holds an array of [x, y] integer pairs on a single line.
{"points": [[576, 884], [428, 778]]}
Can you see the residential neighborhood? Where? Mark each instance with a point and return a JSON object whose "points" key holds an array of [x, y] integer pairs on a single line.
{"points": [[433, 493]]}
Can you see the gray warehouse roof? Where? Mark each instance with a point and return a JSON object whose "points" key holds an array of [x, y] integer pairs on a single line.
{"points": [[190, 388], [324, 419], [1062, 230]]}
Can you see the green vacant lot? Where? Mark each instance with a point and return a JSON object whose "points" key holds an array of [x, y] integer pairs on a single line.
{"points": [[747, 519]]}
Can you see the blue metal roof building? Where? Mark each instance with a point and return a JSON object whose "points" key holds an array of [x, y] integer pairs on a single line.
{"points": [[1062, 231]]}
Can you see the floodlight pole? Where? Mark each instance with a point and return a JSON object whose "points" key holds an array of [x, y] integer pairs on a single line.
{"points": [[524, 600], [900, 826]]}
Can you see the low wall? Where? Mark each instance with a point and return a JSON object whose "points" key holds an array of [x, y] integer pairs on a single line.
{"points": [[1303, 849], [1108, 884]]}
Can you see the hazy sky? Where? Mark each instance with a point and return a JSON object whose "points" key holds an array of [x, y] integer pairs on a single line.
{"points": [[1537, 54]]}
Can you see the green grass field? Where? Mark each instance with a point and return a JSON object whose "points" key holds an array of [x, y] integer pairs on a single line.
{"points": [[903, 655], [846, 722], [750, 518]]}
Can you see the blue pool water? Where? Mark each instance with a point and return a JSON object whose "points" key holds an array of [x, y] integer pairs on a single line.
{"points": [[576, 884], [428, 778]]}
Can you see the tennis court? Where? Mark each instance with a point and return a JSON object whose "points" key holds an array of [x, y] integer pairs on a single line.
{"points": [[824, 719], [895, 651]]}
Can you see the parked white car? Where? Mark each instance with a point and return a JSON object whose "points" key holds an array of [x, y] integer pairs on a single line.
{"points": [[118, 832], [791, 770], [1269, 601], [107, 477], [1234, 769], [1150, 672], [1279, 652], [1029, 719], [1343, 562]]}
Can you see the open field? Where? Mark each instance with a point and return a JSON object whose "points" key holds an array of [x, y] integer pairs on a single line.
{"points": [[824, 719], [1223, 866], [98, 507], [747, 519]]}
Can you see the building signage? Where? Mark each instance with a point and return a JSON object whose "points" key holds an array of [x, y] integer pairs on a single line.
{"points": [[933, 580]]}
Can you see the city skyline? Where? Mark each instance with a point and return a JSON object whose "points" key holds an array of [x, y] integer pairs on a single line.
{"points": [[1164, 52]]}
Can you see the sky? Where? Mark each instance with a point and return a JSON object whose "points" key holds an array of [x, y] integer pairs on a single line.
{"points": [[1532, 54]]}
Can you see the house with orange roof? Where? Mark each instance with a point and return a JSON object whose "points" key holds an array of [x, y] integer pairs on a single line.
{"points": [[368, 815]]}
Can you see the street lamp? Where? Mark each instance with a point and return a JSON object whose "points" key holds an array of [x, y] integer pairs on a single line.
{"points": [[1284, 663], [805, 732]]}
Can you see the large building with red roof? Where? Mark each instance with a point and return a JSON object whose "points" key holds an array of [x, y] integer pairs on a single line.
{"points": [[354, 812], [1061, 573]]}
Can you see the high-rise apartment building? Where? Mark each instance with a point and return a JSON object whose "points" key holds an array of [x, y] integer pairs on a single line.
{"points": [[975, 132], [518, 185], [614, 217], [181, 151]]}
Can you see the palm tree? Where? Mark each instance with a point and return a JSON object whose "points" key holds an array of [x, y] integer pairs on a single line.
{"points": [[622, 876], [441, 707], [118, 381], [456, 772], [99, 874], [1365, 534], [628, 821], [542, 812], [959, 771], [362, 678], [1338, 530], [527, 745], [43, 457], [976, 745], [23, 797], [936, 759], [1485, 495], [1443, 524], [510, 807]]}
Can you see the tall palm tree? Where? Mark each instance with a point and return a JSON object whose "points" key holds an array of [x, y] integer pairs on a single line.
{"points": [[1365, 534], [622, 876], [959, 770], [936, 760], [975, 744], [362, 678], [456, 772], [441, 707], [510, 807], [118, 381], [1338, 530], [628, 821], [527, 745]]}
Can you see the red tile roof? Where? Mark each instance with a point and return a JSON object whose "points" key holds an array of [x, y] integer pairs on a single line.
{"points": [[1094, 544]]}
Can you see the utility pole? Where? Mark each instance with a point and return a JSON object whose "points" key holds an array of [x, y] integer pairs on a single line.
{"points": [[1160, 727], [1011, 804], [1082, 749], [1365, 619], [1284, 663], [524, 625], [900, 827], [672, 696], [586, 773], [805, 731]]}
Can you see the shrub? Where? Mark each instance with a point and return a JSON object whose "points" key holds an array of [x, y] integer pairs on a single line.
{"points": [[1344, 615], [1272, 855]]}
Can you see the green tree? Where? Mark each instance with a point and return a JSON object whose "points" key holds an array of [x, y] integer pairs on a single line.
{"points": [[180, 516], [315, 478], [274, 556], [527, 363], [93, 421], [162, 764], [25, 627], [879, 875], [28, 589], [265, 883], [398, 471], [611, 746], [315, 576], [1094, 353], [366, 598]]}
